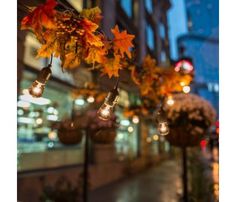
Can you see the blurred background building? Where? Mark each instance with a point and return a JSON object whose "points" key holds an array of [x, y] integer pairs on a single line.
{"points": [[198, 38]]}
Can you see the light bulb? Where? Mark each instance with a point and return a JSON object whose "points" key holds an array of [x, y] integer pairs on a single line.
{"points": [[186, 89], [135, 119], [105, 112], [163, 128], [36, 90], [37, 87]]}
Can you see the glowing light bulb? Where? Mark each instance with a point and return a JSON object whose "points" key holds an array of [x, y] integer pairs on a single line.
{"points": [[186, 89], [135, 119], [37, 87], [105, 112], [36, 90], [163, 128], [170, 101], [90, 99]]}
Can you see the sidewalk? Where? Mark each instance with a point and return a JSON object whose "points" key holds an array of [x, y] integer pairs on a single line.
{"points": [[158, 184]]}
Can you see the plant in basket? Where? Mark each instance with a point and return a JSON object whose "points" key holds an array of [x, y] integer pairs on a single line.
{"points": [[101, 132], [189, 118], [69, 132]]}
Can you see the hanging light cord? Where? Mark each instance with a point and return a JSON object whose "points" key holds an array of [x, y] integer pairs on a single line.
{"points": [[117, 82], [50, 63]]}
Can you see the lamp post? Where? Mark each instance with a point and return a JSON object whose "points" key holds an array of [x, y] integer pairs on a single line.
{"points": [[86, 167], [185, 174]]}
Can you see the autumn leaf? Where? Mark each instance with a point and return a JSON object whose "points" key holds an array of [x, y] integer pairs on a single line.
{"points": [[134, 75], [112, 67], [122, 42], [41, 16], [72, 60], [93, 39], [88, 25], [95, 55], [93, 14], [50, 46]]}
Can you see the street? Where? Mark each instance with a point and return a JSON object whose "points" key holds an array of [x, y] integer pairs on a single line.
{"points": [[157, 184]]}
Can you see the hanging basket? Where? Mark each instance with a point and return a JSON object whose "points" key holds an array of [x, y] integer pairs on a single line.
{"points": [[180, 138], [69, 133], [103, 136]]}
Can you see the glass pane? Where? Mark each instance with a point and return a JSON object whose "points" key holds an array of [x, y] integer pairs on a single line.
{"points": [[148, 5], [127, 138], [37, 135], [127, 6], [150, 37]]}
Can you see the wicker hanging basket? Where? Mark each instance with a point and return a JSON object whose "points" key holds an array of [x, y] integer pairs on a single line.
{"points": [[69, 133], [103, 136]]}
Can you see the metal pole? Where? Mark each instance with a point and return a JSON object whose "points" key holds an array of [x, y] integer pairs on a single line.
{"points": [[85, 169], [185, 174]]}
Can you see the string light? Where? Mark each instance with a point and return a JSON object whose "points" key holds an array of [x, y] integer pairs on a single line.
{"points": [[106, 110], [37, 87], [162, 124]]}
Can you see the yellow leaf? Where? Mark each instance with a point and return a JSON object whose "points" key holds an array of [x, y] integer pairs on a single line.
{"points": [[93, 14], [72, 60]]}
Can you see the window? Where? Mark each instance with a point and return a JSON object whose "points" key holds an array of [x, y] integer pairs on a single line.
{"points": [[127, 138], [148, 5], [150, 37], [36, 134], [127, 6]]}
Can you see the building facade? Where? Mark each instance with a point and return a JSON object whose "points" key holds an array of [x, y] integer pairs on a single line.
{"points": [[201, 43]]}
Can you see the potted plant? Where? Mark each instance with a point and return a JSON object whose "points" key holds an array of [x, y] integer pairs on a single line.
{"points": [[189, 119], [101, 132]]}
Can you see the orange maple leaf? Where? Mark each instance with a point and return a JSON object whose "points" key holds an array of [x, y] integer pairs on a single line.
{"points": [[122, 42], [88, 25], [112, 66], [41, 16], [95, 54], [72, 60]]}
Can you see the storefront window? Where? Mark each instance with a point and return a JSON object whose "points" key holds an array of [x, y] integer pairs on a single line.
{"points": [[38, 144], [126, 138]]}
